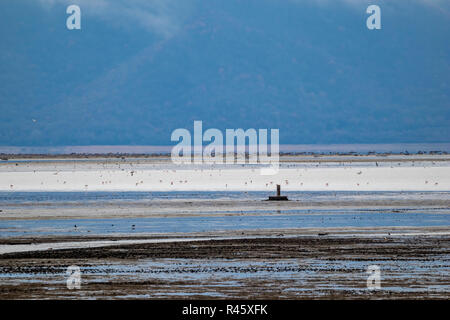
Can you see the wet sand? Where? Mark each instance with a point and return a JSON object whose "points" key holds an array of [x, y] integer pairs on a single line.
{"points": [[196, 207], [326, 266]]}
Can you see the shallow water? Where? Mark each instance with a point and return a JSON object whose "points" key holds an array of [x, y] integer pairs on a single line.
{"points": [[247, 219], [16, 228], [54, 198]]}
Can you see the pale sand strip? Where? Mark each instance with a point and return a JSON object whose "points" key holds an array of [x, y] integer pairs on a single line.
{"points": [[412, 178], [83, 244]]}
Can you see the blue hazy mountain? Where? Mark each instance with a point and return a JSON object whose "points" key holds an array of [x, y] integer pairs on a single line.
{"points": [[139, 69]]}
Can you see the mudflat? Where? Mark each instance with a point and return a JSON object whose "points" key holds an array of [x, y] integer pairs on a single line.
{"points": [[315, 266]]}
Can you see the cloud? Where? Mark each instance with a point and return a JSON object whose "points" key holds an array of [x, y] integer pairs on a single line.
{"points": [[432, 3], [163, 17], [441, 6]]}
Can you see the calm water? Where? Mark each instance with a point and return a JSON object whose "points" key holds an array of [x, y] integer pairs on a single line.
{"points": [[261, 219], [202, 224], [38, 198]]}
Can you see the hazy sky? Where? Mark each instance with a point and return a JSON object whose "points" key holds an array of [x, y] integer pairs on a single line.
{"points": [[139, 69]]}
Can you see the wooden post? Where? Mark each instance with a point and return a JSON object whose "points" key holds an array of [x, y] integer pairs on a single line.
{"points": [[278, 197]]}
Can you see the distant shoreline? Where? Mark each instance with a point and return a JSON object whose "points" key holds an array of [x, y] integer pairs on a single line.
{"points": [[163, 156], [111, 151]]}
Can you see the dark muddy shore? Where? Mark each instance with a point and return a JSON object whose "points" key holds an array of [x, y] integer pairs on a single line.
{"points": [[311, 267]]}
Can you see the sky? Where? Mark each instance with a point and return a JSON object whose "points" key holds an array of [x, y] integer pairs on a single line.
{"points": [[139, 69]]}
